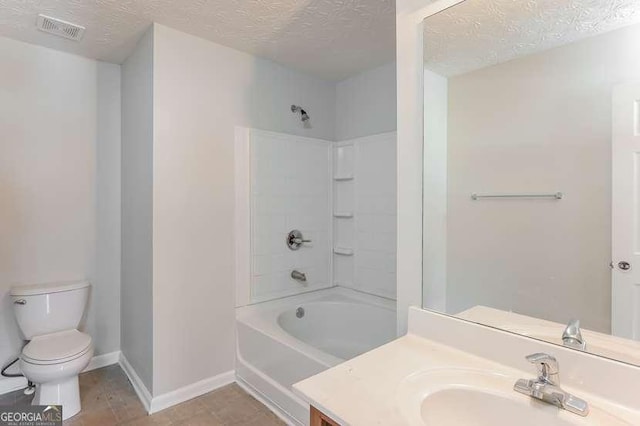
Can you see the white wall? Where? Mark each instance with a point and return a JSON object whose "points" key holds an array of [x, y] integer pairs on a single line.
{"points": [[366, 103], [289, 190], [541, 123], [57, 113], [434, 283], [202, 91], [375, 215], [410, 69], [137, 209], [105, 320]]}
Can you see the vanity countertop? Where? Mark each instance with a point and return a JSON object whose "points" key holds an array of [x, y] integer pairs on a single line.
{"points": [[366, 390], [362, 391]]}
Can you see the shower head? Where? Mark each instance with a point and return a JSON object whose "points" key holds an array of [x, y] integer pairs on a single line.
{"points": [[303, 114]]}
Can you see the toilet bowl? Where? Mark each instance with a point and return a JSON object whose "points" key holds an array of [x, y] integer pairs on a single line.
{"points": [[53, 361], [48, 315]]}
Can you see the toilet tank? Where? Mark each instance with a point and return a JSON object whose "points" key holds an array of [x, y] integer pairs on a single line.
{"points": [[47, 308]]}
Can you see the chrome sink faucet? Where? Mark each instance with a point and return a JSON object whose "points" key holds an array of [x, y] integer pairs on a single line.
{"points": [[547, 386], [572, 337]]}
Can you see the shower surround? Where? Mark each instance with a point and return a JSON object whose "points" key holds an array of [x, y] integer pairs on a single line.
{"points": [[339, 195]]}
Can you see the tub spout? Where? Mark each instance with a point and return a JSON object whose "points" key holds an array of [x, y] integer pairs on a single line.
{"points": [[299, 276]]}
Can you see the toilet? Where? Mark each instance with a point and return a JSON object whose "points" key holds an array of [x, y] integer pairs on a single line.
{"points": [[48, 315]]}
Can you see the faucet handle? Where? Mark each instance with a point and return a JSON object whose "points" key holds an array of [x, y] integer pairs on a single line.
{"points": [[548, 367]]}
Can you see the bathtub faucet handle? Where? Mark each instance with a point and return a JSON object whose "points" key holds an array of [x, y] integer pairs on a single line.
{"points": [[300, 241], [295, 240]]}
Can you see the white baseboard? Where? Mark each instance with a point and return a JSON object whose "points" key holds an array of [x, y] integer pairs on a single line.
{"points": [[11, 384], [169, 399], [151, 405], [141, 390], [191, 391], [103, 360]]}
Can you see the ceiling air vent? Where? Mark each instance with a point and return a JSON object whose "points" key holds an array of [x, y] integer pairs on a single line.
{"points": [[60, 28]]}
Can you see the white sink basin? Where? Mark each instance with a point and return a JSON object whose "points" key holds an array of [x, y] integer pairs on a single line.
{"points": [[453, 397], [458, 406]]}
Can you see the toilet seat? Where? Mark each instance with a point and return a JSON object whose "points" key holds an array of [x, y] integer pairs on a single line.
{"points": [[56, 348]]}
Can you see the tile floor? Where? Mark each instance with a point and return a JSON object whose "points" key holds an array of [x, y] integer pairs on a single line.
{"points": [[109, 399]]}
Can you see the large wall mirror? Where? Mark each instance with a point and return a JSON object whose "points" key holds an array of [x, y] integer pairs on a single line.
{"points": [[532, 169]]}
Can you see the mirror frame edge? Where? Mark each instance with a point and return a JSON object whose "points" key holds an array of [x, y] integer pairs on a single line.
{"points": [[410, 16]]}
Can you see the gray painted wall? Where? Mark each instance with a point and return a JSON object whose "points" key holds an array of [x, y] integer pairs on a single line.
{"points": [[202, 91], [534, 124], [59, 218], [137, 210], [366, 103], [105, 321]]}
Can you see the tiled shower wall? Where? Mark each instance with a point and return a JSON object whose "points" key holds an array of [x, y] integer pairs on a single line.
{"points": [[364, 210], [340, 195], [290, 189]]}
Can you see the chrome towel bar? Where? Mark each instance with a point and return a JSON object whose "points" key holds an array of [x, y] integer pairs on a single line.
{"points": [[556, 196]]}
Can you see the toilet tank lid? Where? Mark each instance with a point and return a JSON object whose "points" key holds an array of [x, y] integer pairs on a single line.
{"points": [[44, 288]]}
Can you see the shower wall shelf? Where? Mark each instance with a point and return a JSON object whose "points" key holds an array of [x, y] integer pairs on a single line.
{"points": [[343, 251], [344, 226], [342, 178], [343, 215]]}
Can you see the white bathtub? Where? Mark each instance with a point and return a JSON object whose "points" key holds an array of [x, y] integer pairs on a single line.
{"points": [[277, 348]]}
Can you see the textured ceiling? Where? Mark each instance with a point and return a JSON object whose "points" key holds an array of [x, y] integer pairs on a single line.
{"points": [[480, 33], [331, 39]]}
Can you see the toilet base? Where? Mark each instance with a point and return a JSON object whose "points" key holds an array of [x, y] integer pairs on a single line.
{"points": [[65, 393]]}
